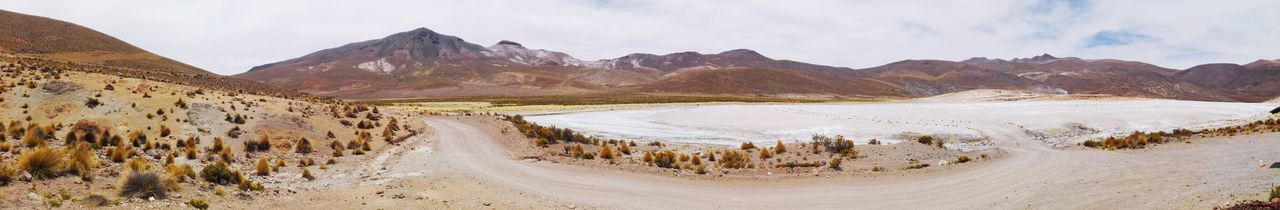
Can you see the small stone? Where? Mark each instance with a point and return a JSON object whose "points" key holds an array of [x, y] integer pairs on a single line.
{"points": [[25, 176], [34, 197]]}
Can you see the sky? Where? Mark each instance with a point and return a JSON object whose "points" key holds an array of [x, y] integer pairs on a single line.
{"points": [[231, 36]]}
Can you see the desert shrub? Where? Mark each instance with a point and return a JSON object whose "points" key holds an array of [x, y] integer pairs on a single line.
{"points": [[33, 138], [81, 159], [917, 166], [648, 157], [226, 156], [263, 144], [606, 153], [1275, 193], [733, 159], [138, 164], [963, 159], [6, 174], [1091, 144], [835, 163], [304, 162], [836, 145], [541, 142], [143, 185], [264, 168], [306, 174], [747, 145], [249, 185], [121, 153], [625, 149], [220, 173], [234, 132], [877, 168], [180, 173], [217, 145], [665, 159], [198, 204], [137, 139], [5, 146], [115, 140], [164, 131], [42, 163], [926, 140], [1252, 205], [92, 103], [588, 156], [780, 148], [873, 142], [576, 151], [303, 146], [338, 150], [765, 154]]}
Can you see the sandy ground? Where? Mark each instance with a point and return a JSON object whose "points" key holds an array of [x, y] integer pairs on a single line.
{"points": [[1062, 121], [1199, 175]]}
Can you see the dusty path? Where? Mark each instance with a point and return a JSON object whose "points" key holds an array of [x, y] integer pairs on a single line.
{"points": [[1179, 176]]}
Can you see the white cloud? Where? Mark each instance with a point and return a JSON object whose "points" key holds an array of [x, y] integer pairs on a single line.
{"points": [[231, 36]]}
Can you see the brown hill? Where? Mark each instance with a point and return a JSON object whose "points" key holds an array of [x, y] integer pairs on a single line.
{"points": [[422, 63], [41, 41]]}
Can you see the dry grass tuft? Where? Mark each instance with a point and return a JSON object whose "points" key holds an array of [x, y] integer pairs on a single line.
{"points": [[143, 185], [42, 163]]}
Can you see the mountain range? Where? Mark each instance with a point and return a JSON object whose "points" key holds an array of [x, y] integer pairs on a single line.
{"points": [[424, 63]]}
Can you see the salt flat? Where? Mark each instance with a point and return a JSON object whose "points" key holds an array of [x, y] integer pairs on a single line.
{"points": [[732, 124]]}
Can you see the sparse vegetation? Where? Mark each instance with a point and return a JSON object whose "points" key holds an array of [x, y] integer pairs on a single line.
{"points": [[263, 144], [42, 163], [6, 174], [837, 145], [198, 204], [303, 146], [306, 174], [264, 168], [733, 159], [143, 185], [220, 173]]}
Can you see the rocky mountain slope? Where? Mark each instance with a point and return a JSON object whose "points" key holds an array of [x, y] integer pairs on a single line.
{"points": [[40, 39], [423, 63]]}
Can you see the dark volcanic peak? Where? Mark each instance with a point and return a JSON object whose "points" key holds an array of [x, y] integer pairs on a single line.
{"points": [[422, 43]]}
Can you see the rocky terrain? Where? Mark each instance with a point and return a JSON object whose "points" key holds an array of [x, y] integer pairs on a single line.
{"points": [[116, 126], [424, 63]]}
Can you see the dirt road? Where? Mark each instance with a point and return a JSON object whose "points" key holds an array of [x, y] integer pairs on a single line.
{"points": [[1177, 176]]}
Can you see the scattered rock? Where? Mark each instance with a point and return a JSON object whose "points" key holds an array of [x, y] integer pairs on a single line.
{"points": [[33, 197], [25, 176]]}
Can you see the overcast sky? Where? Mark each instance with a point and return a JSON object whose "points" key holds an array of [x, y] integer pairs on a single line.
{"points": [[230, 36]]}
